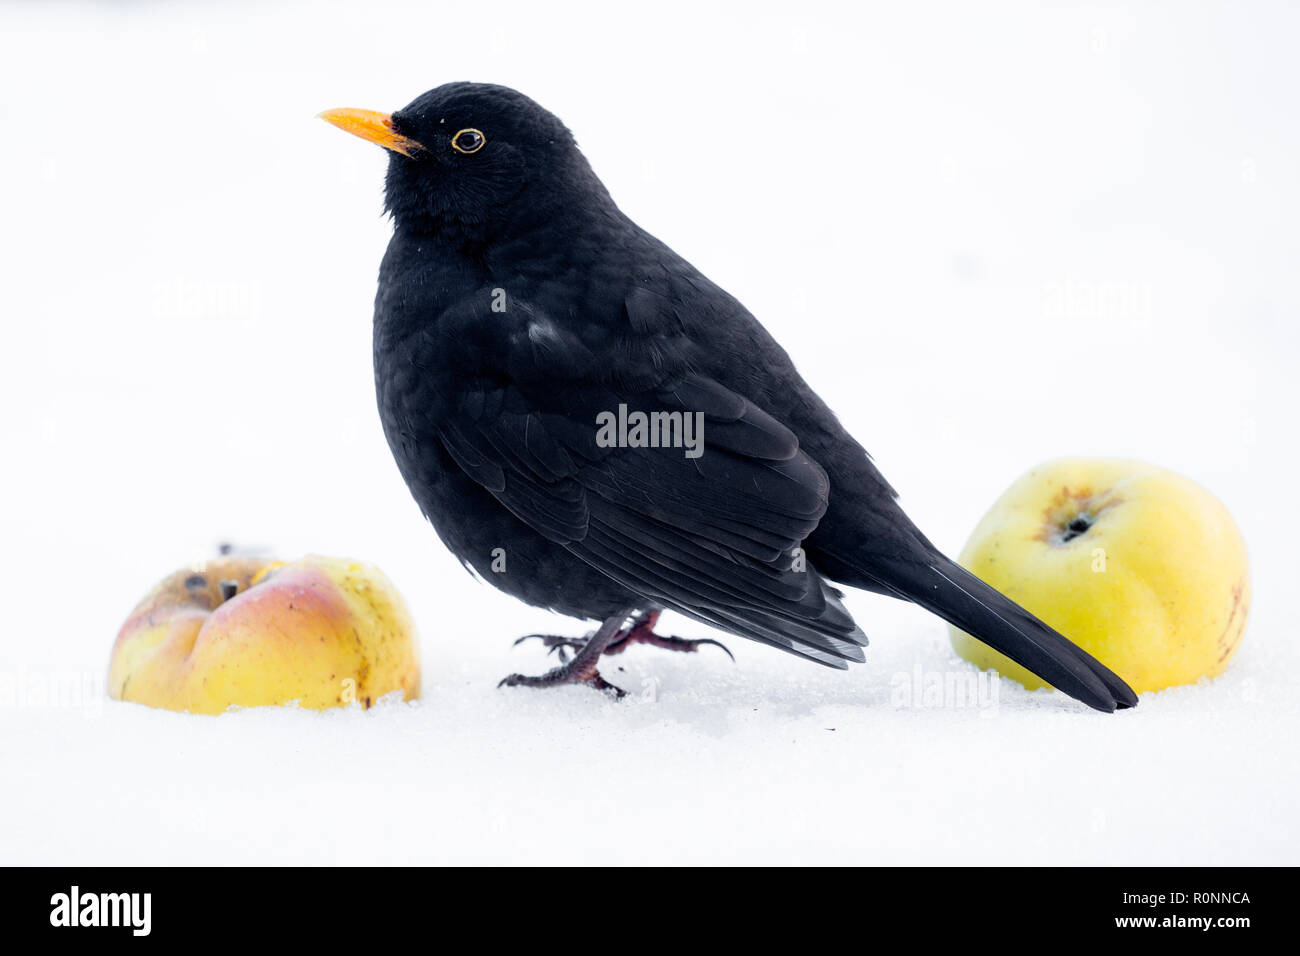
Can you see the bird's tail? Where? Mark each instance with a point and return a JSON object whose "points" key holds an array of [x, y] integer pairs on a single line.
{"points": [[943, 587]]}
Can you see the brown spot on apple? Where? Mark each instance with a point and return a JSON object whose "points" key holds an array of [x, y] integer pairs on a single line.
{"points": [[1235, 626], [1072, 513]]}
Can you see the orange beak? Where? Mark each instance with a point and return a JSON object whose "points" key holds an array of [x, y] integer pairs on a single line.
{"points": [[373, 127]]}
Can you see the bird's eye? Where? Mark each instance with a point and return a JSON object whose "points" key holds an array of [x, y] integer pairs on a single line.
{"points": [[468, 141]]}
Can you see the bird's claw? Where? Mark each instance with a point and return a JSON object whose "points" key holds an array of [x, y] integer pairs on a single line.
{"points": [[553, 640], [581, 669], [563, 675], [720, 646], [668, 643], [556, 644]]}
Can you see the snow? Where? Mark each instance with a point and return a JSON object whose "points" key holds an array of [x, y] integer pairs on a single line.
{"points": [[989, 238]]}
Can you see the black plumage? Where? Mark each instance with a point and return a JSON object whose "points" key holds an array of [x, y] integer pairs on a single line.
{"points": [[517, 304]]}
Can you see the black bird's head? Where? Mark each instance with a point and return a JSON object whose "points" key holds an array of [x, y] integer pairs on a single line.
{"points": [[470, 158]]}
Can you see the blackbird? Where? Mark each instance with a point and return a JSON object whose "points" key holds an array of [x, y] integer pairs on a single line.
{"points": [[594, 427]]}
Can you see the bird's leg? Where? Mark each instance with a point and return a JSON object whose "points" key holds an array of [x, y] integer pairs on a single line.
{"points": [[582, 669], [642, 631], [639, 630]]}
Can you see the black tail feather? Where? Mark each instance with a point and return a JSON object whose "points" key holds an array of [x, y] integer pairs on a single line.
{"points": [[943, 587]]}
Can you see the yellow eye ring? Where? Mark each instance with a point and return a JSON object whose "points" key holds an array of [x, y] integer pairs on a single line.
{"points": [[473, 141]]}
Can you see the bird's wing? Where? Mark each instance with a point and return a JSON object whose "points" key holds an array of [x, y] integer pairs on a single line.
{"points": [[711, 531]]}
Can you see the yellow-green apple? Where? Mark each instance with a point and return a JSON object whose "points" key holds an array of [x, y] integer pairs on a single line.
{"points": [[323, 632], [1139, 566]]}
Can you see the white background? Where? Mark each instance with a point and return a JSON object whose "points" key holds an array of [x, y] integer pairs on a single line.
{"points": [[988, 234]]}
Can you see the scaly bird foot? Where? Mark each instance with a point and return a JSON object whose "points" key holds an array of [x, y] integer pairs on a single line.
{"points": [[642, 631], [614, 637]]}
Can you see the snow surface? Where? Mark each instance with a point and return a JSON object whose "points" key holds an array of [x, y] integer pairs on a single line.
{"points": [[989, 237]]}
